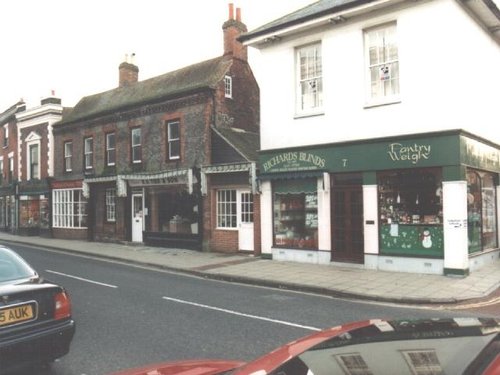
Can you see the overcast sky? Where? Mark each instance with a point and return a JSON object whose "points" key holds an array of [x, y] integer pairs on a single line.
{"points": [[75, 46]]}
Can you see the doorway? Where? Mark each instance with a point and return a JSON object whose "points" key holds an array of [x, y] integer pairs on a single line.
{"points": [[347, 218], [137, 217], [245, 227]]}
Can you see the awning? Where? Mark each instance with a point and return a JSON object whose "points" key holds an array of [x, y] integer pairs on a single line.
{"points": [[295, 186], [290, 175]]}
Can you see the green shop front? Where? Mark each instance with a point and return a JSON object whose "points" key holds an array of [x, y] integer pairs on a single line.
{"points": [[425, 203]]}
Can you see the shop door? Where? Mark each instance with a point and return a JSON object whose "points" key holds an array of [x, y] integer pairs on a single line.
{"points": [[347, 224], [245, 227], [137, 217]]}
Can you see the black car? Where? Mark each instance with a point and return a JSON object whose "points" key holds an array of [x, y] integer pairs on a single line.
{"points": [[36, 326]]}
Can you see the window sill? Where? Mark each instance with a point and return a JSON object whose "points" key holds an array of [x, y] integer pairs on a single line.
{"points": [[228, 229], [298, 116], [382, 103]]}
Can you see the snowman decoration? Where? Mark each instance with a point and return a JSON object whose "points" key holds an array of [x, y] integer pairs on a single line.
{"points": [[426, 239]]}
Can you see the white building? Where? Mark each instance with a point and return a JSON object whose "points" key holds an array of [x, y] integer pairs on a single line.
{"points": [[378, 139]]}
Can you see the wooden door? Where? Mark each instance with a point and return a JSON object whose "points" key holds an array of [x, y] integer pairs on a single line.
{"points": [[347, 224]]}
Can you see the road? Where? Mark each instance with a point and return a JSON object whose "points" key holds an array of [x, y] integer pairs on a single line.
{"points": [[128, 316]]}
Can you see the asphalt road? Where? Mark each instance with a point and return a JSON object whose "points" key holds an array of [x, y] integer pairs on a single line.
{"points": [[129, 316]]}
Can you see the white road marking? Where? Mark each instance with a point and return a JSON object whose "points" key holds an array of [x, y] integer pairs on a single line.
{"points": [[242, 314], [81, 279]]}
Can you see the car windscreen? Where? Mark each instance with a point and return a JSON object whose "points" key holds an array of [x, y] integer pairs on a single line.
{"points": [[13, 267]]}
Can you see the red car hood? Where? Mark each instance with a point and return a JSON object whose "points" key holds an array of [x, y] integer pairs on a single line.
{"points": [[193, 367]]}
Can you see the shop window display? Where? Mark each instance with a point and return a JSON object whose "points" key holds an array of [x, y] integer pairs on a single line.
{"points": [[295, 217], [481, 211], [177, 213], [411, 212]]}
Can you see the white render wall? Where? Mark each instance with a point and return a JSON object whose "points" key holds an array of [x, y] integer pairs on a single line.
{"points": [[449, 79]]}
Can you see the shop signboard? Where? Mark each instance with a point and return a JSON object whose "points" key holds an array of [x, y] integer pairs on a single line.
{"points": [[402, 152], [480, 155]]}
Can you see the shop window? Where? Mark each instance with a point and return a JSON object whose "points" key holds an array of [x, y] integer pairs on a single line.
{"points": [[29, 212], [226, 209], [481, 211], [177, 212], [111, 205], [69, 208], [411, 212], [295, 212]]}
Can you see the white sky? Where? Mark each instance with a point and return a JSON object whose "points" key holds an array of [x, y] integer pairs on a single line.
{"points": [[75, 47]]}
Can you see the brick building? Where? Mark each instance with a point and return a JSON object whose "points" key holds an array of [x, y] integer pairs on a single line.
{"points": [[169, 160], [26, 166]]}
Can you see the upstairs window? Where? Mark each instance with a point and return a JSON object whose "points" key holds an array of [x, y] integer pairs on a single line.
{"points": [[173, 140], [5, 135], [68, 156], [310, 79], [34, 164], [381, 50], [11, 169], [136, 145], [2, 176], [110, 149], [228, 87], [88, 152]]}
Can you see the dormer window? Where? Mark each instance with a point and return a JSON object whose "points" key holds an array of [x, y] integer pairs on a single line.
{"points": [[228, 87]]}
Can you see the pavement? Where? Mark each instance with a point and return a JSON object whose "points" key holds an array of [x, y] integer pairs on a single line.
{"points": [[331, 280]]}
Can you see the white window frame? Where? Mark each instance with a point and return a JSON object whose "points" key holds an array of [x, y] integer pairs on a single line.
{"points": [[171, 139], [309, 92], [6, 135], [69, 209], [31, 173], [227, 209], [111, 205], [382, 76], [110, 150], [88, 152], [136, 146], [228, 87], [233, 209], [11, 167], [68, 156]]}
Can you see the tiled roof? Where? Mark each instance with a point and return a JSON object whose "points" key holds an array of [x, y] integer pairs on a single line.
{"points": [[246, 143], [311, 11], [188, 79]]}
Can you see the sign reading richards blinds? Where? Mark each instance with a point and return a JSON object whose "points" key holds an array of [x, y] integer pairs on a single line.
{"points": [[294, 161]]}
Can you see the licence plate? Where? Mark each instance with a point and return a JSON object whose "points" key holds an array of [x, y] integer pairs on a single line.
{"points": [[17, 314]]}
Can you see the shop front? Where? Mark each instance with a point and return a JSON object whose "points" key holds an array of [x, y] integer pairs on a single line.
{"points": [[34, 208], [426, 203]]}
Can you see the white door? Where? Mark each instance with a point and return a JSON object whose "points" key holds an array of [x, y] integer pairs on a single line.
{"points": [[245, 225], [137, 217]]}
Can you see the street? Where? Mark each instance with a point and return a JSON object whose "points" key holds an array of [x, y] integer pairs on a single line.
{"points": [[128, 316]]}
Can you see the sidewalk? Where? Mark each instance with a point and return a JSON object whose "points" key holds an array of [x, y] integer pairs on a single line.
{"points": [[323, 279]]}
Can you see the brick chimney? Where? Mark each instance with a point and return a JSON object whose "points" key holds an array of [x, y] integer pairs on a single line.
{"points": [[128, 72], [233, 28]]}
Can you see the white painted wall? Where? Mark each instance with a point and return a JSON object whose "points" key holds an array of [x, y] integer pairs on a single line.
{"points": [[449, 79]]}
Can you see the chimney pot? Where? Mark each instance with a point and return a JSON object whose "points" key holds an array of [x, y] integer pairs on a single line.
{"points": [[231, 11], [238, 14]]}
